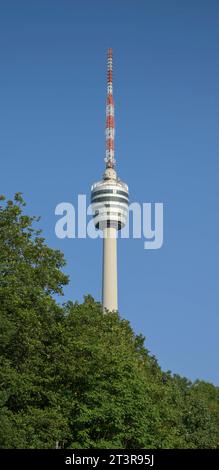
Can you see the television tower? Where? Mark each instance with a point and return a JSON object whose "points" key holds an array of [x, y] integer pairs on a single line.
{"points": [[109, 198]]}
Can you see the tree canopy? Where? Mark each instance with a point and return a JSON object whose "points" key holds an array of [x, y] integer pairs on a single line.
{"points": [[71, 374]]}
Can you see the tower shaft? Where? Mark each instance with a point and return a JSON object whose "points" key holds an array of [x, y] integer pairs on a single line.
{"points": [[109, 288]]}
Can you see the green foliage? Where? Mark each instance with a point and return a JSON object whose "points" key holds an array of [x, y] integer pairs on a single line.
{"points": [[73, 375], [30, 273]]}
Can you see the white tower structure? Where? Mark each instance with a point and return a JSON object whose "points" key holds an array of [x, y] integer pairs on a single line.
{"points": [[109, 198]]}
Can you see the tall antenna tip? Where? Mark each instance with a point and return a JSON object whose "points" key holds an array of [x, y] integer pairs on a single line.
{"points": [[110, 160]]}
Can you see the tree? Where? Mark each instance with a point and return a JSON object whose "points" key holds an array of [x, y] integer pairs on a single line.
{"points": [[68, 373], [30, 273]]}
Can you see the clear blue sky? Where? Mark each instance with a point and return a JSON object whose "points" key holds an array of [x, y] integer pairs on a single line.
{"points": [[166, 87]]}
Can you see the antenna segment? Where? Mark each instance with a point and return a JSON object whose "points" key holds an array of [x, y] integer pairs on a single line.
{"points": [[110, 124]]}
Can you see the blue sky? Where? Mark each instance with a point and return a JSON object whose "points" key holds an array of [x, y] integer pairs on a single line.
{"points": [[166, 88]]}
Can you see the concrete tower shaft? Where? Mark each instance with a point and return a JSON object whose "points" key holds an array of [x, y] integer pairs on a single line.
{"points": [[109, 274]]}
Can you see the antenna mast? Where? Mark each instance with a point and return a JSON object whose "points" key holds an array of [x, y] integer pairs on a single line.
{"points": [[110, 124]]}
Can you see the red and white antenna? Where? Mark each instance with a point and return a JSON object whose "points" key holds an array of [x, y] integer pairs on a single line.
{"points": [[110, 124]]}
